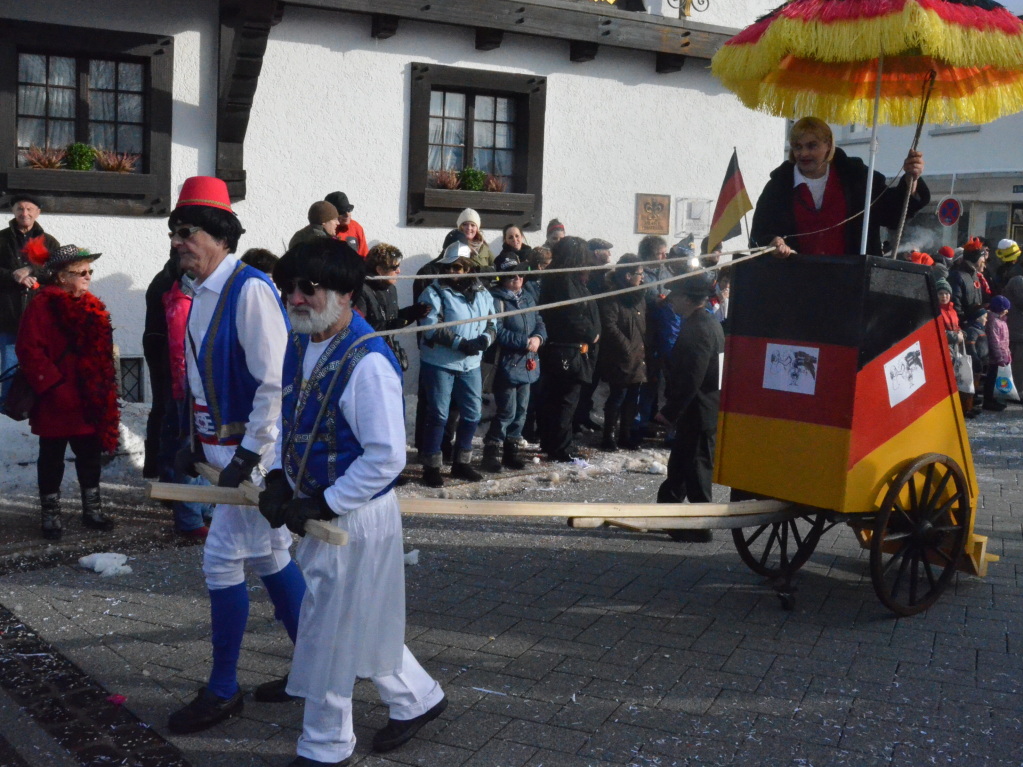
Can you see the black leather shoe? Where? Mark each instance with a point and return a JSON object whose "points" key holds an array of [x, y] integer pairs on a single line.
{"points": [[400, 731], [305, 761], [204, 711], [273, 692]]}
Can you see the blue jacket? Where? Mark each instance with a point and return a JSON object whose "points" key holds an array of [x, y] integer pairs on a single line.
{"points": [[440, 347], [513, 333]]}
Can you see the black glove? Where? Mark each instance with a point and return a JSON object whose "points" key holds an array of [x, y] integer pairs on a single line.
{"points": [[298, 511], [240, 468], [412, 313], [275, 497], [473, 346], [187, 457]]}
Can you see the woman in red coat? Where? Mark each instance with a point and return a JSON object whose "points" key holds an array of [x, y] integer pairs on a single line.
{"points": [[65, 349]]}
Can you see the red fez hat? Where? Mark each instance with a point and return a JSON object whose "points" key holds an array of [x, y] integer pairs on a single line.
{"points": [[205, 190]]}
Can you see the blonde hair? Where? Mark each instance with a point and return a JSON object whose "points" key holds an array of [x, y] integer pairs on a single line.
{"points": [[811, 126]]}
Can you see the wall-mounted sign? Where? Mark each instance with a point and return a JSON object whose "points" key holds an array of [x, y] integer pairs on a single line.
{"points": [[653, 213], [1017, 188], [949, 211]]}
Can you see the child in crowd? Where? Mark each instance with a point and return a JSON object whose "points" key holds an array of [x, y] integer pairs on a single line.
{"points": [[998, 349]]}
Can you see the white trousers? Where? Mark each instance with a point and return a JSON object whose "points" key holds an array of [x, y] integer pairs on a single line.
{"points": [[327, 733]]}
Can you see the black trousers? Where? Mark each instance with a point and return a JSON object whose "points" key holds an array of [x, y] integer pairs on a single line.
{"points": [[560, 399], [690, 468], [50, 466]]}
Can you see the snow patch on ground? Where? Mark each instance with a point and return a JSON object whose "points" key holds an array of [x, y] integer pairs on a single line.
{"points": [[19, 449]]}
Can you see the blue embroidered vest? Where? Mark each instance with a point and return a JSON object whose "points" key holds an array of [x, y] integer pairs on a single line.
{"points": [[228, 386], [334, 447]]}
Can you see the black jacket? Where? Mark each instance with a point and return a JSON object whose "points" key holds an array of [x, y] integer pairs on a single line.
{"points": [[13, 297], [775, 213], [567, 328], [692, 393]]}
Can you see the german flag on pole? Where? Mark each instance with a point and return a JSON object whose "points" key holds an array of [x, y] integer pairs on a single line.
{"points": [[733, 203]]}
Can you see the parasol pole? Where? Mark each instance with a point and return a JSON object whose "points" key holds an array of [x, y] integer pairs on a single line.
{"points": [[873, 157], [911, 188]]}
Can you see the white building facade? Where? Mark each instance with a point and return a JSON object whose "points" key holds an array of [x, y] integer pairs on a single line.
{"points": [[290, 101]]}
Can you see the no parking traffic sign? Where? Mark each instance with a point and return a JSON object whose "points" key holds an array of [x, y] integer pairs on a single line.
{"points": [[949, 211]]}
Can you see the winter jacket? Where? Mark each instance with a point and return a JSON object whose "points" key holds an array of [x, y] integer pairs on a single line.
{"points": [[13, 296], [775, 212], [569, 327], [441, 347], [998, 340], [482, 255], [378, 303], [622, 360], [692, 395], [976, 344], [1013, 291], [513, 333], [949, 320], [65, 349], [176, 305], [154, 336], [966, 290], [308, 234]]}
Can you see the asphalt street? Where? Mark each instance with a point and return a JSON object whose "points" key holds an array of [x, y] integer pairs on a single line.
{"points": [[556, 647]]}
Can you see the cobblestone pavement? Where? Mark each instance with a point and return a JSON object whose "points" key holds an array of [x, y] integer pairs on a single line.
{"points": [[561, 648]]}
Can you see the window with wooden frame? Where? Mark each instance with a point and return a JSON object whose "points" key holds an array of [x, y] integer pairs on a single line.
{"points": [[110, 90], [469, 118]]}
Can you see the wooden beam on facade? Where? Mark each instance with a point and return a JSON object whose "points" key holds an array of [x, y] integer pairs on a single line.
{"points": [[565, 19], [580, 51], [488, 39], [244, 31], [668, 62], [383, 25]]}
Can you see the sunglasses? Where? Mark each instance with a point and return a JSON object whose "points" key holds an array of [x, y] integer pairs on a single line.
{"points": [[82, 272], [183, 232], [307, 287]]}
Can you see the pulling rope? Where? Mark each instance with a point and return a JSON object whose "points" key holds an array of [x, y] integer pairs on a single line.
{"points": [[413, 329]]}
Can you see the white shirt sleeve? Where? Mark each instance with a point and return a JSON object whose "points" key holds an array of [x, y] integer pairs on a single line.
{"points": [[264, 337], [374, 407]]}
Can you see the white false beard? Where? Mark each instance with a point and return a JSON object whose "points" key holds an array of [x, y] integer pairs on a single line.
{"points": [[308, 322]]}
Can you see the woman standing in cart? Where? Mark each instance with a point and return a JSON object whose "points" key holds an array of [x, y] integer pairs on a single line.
{"points": [[813, 202]]}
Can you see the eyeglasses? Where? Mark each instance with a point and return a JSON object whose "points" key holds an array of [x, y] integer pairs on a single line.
{"points": [[81, 272], [308, 287], [183, 232]]}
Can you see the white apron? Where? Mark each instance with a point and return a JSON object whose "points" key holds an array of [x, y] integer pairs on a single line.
{"points": [[352, 622]]}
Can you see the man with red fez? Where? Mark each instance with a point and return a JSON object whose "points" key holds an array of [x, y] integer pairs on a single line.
{"points": [[235, 342], [813, 203]]}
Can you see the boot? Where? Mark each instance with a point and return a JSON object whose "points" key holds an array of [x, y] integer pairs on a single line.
{"points": [[461, 468], [431, 470], [51, 527], [491, 461], [609, 443], [92, 511], [511, 456]]}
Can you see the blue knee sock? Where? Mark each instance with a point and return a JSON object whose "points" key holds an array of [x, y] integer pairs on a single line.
{"points": [[286, 589], [229, 611]]}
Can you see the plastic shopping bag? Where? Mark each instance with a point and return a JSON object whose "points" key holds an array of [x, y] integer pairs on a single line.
{"points": [[963, 367], [1005, 387]]}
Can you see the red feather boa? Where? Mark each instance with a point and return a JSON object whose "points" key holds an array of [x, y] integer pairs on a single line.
{"points": [[87, 322]]}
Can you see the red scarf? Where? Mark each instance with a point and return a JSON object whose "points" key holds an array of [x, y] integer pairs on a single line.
{"points": [[91, 339]]}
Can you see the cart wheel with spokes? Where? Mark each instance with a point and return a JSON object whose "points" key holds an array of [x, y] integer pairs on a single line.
{"points": [[919, 534], [779, 548]]}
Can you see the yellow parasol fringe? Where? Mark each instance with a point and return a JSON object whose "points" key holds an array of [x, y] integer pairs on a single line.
{"points": [[913, 30], [973, 108]]}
